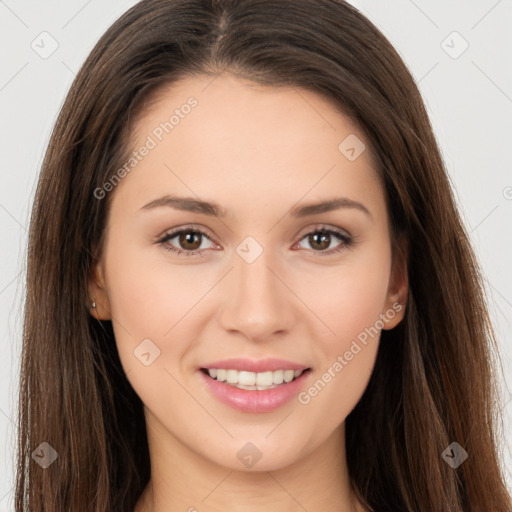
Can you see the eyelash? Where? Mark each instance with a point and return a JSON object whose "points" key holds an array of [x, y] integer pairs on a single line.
{"points": [[346, 240]]}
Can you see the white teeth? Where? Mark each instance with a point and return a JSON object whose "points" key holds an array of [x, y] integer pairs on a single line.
{"points": [[277, 377], [253, 388], [264, 378], [288, 375], [246, 378], [251, 380], [232, 377]]}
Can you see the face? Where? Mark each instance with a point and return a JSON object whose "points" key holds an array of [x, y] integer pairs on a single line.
{"points": [[258, 282]]}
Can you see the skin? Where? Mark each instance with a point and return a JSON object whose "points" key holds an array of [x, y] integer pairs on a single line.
{"points": [[258, 152]]}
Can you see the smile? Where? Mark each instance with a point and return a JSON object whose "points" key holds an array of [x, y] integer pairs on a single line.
{"points": [[254, 391], [251, 380]]}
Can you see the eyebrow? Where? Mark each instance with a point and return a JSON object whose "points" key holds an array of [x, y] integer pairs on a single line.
{"points": [[191, 204]]}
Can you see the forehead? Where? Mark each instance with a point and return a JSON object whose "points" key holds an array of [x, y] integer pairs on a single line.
{"points": [[238, 141]]}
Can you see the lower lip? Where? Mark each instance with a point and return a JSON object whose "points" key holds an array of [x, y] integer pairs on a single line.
{"points": [[255, 401]]}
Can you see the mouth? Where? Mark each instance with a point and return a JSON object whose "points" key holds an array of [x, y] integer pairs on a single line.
{"points": [[254, 386], [259, 391], [254, 381]]}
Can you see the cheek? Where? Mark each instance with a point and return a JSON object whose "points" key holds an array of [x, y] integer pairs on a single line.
{"points": [[357, 308], [153, 307], [350, 300], [152, 300], [350, 305], [346, 358]]}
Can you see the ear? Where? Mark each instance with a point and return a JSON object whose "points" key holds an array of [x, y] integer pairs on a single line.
{"points": [[98, 293], [396, 298]]}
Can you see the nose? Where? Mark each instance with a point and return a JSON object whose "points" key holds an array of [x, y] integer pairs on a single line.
{"points": [[259, 302]]}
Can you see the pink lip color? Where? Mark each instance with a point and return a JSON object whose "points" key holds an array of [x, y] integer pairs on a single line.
{"points": [[255, 401]]}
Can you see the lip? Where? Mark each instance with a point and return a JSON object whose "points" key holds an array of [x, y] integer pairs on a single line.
{"points": [[255, 401], [262, 365]]}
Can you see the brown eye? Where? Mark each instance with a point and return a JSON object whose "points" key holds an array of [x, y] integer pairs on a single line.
{"points": [[320, 241], [186, 241], [190, 240]]}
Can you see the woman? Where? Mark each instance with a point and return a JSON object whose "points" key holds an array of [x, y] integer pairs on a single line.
{"points": [[254, 290]]}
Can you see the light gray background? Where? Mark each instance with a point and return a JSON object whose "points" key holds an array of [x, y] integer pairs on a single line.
{"points": [[469, 99]]}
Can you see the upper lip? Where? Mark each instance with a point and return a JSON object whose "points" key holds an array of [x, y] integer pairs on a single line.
{"points": [[261, 365]]}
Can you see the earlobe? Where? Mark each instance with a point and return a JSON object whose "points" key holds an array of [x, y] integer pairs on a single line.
{"points": [[99, 305], [393, 315], [397, 293]]}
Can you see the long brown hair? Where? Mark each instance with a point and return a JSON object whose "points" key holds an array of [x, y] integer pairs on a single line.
{"points": [[434, 381]]}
